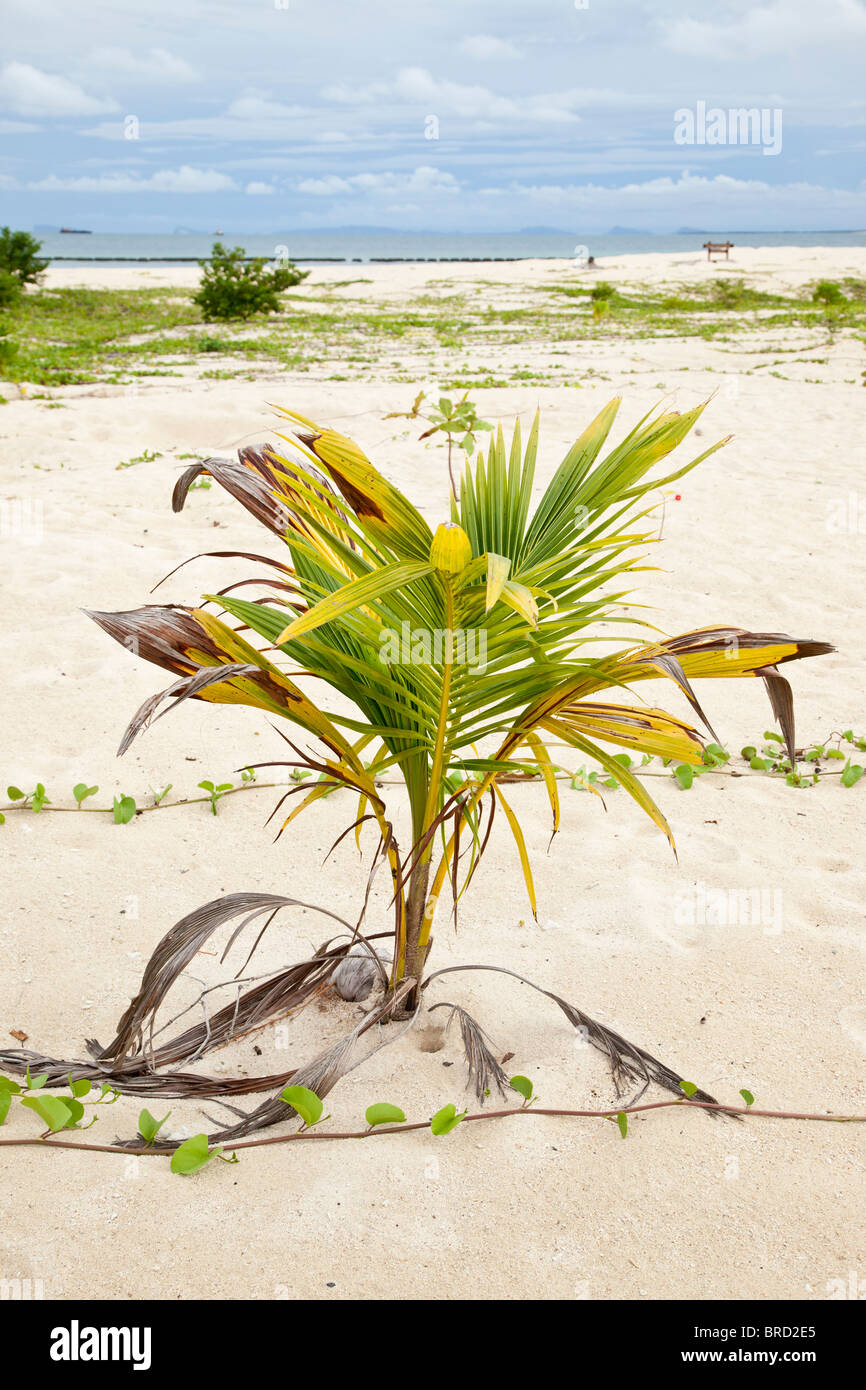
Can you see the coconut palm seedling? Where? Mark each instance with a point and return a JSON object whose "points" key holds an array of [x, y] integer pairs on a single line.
{"points": [[457, 657], [451, 418]]}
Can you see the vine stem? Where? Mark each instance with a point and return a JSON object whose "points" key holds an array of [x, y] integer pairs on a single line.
{"points": [[324, 1136], [139, 810], [380, 782]]}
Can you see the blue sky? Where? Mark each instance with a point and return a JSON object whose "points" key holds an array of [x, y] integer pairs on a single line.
{"points": [[267, 115]]}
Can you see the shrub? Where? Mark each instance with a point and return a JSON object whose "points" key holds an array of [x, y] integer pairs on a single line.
{"points": [[19, 256], [232, 288], [10, 289], [827, 292], [7, 346], [730, 294]]}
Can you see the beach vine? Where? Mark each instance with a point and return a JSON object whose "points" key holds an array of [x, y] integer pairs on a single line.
{"points": [[771, 761], [190, 1155]]}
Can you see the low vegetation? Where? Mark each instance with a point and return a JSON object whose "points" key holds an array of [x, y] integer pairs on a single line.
{"points": [[233, 287], [448, 662], [78, 335]]}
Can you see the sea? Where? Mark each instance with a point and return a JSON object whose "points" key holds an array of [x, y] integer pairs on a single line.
{"points": [[368, 246]]}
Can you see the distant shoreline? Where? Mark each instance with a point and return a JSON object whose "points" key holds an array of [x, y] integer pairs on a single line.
{"points": [[351, 248], [404, 278], [300, 260]]}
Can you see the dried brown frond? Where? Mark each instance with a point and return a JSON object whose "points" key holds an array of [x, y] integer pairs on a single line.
{"points": [[175, 952], [482, 1065], [628, 1062], [184, 689]]}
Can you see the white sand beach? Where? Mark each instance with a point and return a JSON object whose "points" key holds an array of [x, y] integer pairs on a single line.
{"points": [[689, 1206], [765, 266]]}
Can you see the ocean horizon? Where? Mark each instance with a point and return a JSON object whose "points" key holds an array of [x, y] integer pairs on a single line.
{"points": [[358, 245]]}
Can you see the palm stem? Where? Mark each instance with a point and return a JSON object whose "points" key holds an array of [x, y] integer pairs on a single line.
{"points": [[418, 920]]}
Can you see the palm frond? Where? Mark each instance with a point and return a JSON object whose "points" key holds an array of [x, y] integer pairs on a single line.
{"points": [[368, 590], [484, 1069]]}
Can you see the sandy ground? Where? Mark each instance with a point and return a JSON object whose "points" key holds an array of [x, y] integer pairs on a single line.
{"points": [[765, 267], [687, 1207]]}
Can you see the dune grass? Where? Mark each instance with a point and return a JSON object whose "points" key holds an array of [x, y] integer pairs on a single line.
{"points": [[76, 335]]}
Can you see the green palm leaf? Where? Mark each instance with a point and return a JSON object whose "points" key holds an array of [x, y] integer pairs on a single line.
{"points": [[450, 715]]}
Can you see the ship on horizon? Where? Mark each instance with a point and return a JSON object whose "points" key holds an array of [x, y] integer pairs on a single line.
{"points": [[76, 231]]}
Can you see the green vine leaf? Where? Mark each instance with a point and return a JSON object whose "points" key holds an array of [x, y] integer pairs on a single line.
{"points": [[305, 1102], [124, 809], [55, 1114], [149, 1126], [192, 1155], [384, 1114], [715, 755], [522, 1085], [446, 1119]]}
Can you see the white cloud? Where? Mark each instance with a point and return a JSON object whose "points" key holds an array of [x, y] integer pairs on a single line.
{"points": [[718, 201], [354, 96], [186, 179], [419, 88], [765, 31], [417, 84], [484, 46], [412, 95], [17, 127], [157, 65], [257, 108], [26, 91], [247, 118], [326, 187], [257, 188], [424, 179]]}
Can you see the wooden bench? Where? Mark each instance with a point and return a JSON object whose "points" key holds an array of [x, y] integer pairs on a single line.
{"points": [[717, 248]]}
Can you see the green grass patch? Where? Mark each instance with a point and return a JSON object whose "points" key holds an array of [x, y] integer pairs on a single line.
{"points": [[71, 336]]}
